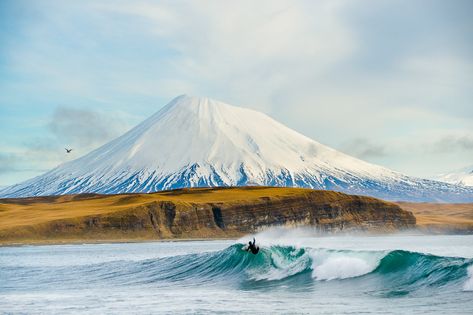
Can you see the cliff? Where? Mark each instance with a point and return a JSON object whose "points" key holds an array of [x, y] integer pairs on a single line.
{"points": [[191, 213]]}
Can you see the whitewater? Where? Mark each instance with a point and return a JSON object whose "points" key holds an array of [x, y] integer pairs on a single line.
{"points": [[294, 273]]}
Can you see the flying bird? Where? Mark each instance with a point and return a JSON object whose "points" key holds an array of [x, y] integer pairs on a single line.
{"points": [[68, 150]]}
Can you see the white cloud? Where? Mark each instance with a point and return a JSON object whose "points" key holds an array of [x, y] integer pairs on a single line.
{"points": [[336, 71]]}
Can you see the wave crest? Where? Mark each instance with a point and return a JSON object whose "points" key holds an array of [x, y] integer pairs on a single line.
{"points": [[342, 266], [393, 271], [468, 286]]}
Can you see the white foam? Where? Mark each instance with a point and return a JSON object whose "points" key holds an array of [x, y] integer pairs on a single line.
{"points": [[468, 286], [342, 265], [281, 267], [439, 245]]}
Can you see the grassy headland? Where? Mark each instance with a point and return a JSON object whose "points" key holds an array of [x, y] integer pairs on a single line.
{"points": [[190, 213], [442, 217]]}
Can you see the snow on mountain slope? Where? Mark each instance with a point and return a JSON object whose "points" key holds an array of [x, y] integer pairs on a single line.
{"points": [[463, 176], [202, 142]]}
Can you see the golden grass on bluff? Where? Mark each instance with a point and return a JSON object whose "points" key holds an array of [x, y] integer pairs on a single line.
{"points": [[442, 217], [127, 217], [189, 213], [16, 212]]}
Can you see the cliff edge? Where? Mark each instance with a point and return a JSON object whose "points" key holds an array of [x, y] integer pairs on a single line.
{"points": [[191, 213]]}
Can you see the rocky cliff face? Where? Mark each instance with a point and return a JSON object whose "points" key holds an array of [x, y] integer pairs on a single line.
{"points": [[141, 217], [346, 213]]}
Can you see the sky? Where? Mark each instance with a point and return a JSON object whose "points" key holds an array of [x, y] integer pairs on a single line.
{"points": [[390, 82]]}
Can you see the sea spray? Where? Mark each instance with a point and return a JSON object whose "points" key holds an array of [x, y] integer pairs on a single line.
{"points": [[279, 263], [330, 265], [322, 275], [393, 269], [468, 286]]}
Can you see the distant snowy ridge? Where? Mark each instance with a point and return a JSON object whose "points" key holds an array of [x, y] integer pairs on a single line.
{"points": [[462, 176], [194, 142]]}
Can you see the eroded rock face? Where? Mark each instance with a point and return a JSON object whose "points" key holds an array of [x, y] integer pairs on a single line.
{"points": [[149, 218], [165, 219]]}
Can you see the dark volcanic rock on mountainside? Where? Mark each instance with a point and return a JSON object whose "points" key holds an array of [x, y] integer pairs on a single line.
{"points": [[200, 142], [193, 213]]}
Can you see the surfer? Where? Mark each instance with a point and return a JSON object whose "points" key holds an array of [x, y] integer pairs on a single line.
{"points": [[252, 247]]}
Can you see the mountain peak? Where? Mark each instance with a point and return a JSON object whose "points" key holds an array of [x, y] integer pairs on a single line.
{"points": [[197, 141], [463, 176], [186, 100], [196, 107]]}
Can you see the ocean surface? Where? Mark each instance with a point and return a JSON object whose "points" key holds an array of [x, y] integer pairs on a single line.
{"points": [[295, 272]]}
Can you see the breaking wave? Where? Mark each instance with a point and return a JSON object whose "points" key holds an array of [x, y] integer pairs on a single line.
{"points": [[385, 272]]}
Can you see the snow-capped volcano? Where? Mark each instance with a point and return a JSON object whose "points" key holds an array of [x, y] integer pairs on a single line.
{"points": [[202, 142], [462, 176]]}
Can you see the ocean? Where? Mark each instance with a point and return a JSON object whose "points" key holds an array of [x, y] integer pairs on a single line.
{"points": [[295, 272]]}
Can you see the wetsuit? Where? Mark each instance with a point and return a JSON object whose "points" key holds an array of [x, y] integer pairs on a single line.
{"points": [[252, 247]]}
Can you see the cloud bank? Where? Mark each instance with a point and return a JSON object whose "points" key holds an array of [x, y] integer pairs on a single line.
{"points": [[397, 74]]}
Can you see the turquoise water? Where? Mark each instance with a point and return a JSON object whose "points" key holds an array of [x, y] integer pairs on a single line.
{"points": [[293, 273]]}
